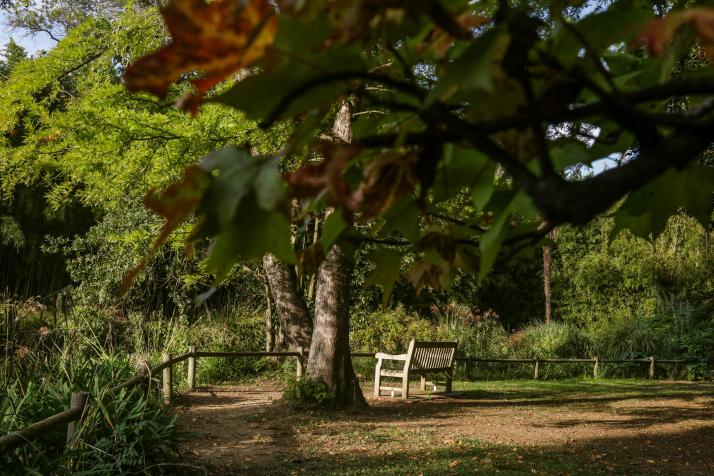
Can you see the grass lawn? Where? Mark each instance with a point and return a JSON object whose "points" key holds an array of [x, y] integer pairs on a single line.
{"points": [[505, 427]]}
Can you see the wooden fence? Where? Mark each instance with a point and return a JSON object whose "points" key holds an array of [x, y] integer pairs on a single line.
{"points": [[80, 400], [597, 363]]}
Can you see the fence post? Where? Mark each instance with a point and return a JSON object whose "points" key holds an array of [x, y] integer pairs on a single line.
{"points": [[78, 400], [467, 368], [596, 367], [166, 380], [652, 368], [299, 362], [535, 369], [192, 368]]}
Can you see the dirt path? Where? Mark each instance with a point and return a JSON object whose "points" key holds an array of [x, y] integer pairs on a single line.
{"points": [[667, 429]]}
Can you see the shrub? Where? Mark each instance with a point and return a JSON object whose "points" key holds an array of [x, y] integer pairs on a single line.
{"points": [[390, 330], [307, 393]]}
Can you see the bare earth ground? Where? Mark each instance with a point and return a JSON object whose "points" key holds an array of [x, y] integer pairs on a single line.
{"points": [[506, 427]]}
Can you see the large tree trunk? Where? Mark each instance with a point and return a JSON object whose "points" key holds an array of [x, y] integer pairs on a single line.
{"points": [[289, 304], [329, 359]]}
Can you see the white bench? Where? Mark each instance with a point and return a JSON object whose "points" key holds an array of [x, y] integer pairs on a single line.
{"points": [[421, 359]]}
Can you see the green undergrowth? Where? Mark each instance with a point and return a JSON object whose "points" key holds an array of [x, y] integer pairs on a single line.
{"points": [[122, 433]]}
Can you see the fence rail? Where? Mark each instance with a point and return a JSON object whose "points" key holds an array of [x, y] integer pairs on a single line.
{"points": [[80, 400]]}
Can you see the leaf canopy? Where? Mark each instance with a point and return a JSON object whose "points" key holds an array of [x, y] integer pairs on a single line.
{"points": [[473, 122]]}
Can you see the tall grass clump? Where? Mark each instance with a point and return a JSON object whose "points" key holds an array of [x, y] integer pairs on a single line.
{"points": [[636, 337], [479, 334], [550, 341]]}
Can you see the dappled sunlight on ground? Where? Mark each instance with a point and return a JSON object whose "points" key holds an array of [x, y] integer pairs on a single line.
{"points": [[509, 427]]}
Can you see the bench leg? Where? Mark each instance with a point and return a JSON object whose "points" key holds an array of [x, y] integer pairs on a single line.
{"points": [[449, 379], [405, 386], [422, 385], [377, 379]]}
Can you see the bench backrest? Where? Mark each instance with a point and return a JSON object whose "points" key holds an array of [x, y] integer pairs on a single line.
{"points": [[430, 355]]}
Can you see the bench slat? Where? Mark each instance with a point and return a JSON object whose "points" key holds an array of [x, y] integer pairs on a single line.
{"points": [[392, 373], [391, 389]]}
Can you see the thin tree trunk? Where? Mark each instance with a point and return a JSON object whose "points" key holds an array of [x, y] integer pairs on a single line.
{"points": [[329, 359], [547, 269], [289, 305], [313, 277], [269, 327]]}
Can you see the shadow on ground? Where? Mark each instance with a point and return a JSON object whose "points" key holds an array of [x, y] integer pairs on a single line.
{"points": [[600, 429]]}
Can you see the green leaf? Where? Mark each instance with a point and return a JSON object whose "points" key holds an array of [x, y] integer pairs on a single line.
{"points": [[482, 189], [306, 130], [474, 69], [386, 272], [568, 152], [269, 185], [334, 225], [300, 38], [404, 219], [620, 23], [461, 168], [490, 242], [253, 233], [524, 206], [296, 87], [233, 171], [645, 211]]}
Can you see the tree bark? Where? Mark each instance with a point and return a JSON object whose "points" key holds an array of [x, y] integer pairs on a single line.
{"points": [[289, 305], [329, 359], [342, 127], [313, 277]]}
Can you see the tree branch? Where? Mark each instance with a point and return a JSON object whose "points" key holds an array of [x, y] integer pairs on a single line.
{"points": [[404, 86], [578, 202]]}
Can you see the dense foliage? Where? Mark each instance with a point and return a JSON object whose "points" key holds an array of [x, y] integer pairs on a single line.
{"points": [[468, 122]]}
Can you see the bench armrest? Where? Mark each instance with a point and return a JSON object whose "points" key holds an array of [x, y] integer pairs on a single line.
{"points": [[383, 356]]}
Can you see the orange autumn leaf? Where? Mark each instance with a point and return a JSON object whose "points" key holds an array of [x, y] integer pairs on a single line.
{"points": [[215, 39], [387, 179], [440, 40], [660, 32], [425, 274]]}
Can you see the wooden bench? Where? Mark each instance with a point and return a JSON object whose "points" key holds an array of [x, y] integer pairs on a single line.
{"points": [[421, 359]]}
